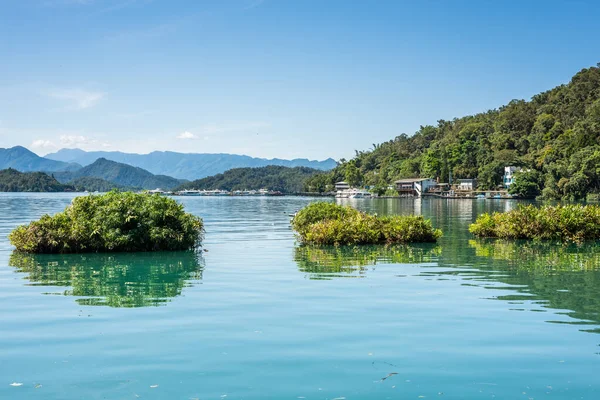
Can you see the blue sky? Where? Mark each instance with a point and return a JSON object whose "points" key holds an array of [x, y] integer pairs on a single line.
{"points": [[272, 78]]}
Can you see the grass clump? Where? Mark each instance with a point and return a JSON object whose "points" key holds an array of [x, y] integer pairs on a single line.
{"points": [[112, 222], [567, 223], [331, 224]]}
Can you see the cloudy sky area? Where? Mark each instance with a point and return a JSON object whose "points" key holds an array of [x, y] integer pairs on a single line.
{"points": [[272, 78]]}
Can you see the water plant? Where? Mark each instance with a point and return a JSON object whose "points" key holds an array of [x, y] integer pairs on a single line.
{"points": [[567, 223], [323, 223], [112, 222]]}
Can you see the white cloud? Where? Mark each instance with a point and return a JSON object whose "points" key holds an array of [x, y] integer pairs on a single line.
{"points": [[187, 136], [79, 99], [42, 144], [81, 141]]}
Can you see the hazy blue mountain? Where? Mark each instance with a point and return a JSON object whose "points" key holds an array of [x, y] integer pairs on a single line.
{"points": [[23, 160], [183, 165], [120, 174]]}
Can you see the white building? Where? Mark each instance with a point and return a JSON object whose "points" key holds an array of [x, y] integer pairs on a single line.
{"points": [[416, 186], [339, 186], [467, 184], [509, 175]]}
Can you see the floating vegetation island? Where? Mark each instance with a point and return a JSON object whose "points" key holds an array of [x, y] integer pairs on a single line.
{"points": [[112, 222], [324, 223], [567, 223]]}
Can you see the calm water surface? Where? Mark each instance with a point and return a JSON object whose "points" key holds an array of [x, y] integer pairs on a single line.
{"points": [[257, 317]]}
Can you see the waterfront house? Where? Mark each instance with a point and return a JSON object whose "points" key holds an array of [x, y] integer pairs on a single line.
{"points": [[414, 186], [509, 175], [467, 184], [339, 186]]}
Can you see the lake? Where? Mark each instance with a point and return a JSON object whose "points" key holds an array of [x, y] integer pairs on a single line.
{"points": [[258, 317]]}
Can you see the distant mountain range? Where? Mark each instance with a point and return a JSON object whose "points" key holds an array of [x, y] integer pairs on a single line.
{"points": [[119, 174], [188, 166], [107, 170], [23, 160]]}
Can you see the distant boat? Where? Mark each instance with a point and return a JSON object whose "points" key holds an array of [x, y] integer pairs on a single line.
{"points": [[353, 194]]}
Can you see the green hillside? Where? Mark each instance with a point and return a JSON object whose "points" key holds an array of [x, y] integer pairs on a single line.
{"points": [[556, 134], [12, 180], [283, 179], [120, 174], [98, 185]]}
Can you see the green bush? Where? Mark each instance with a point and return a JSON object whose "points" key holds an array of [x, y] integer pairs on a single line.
{"points": [[330, 224], [113, 222], [574, 223]]}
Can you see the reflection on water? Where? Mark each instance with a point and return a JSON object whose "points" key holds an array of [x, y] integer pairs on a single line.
{"points": [[566, 277], [115, 280], [353, 261], [546, 256]]}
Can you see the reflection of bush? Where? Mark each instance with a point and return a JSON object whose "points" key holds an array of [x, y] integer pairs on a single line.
{"points": [[560, 277], [347, 260], [116, 280], [540, 255]]}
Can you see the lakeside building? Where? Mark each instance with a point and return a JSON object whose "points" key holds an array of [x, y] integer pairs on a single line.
{"points": [[509, 175], [414, 186], [467, 184], [339, 186]]}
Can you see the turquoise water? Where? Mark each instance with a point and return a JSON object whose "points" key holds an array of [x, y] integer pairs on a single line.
{"points": [[257, 317]]}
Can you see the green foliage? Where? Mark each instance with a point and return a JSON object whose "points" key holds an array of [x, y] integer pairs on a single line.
{"points": [[568, 223], [113, 222], [12, 180], [526, 184], [98, 185], [283, 179], [556, 133], [330, 224]]}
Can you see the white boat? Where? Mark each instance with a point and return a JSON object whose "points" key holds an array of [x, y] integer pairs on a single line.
{"points": [[360, 194], [353, 194]]}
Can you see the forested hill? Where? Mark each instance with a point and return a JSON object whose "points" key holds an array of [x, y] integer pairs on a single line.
{"points": [[283, 179], [556, 134], [122, 175], [12, 180]]}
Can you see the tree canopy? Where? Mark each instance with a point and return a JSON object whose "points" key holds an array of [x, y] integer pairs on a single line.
{"points": [[556, 134], [283, 179]]}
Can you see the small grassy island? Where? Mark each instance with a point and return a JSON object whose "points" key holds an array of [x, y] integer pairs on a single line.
{"points": [[324, 223], [113, 222], [567, 223]]}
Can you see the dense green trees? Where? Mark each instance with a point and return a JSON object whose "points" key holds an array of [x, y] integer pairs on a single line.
{"points": [[12, 180], [283, 179], [556, 134], [526, 184]]}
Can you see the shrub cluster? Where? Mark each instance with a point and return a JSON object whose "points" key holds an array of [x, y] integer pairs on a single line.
{"points": [[113, 222], [574, 223], [330, 224]]}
